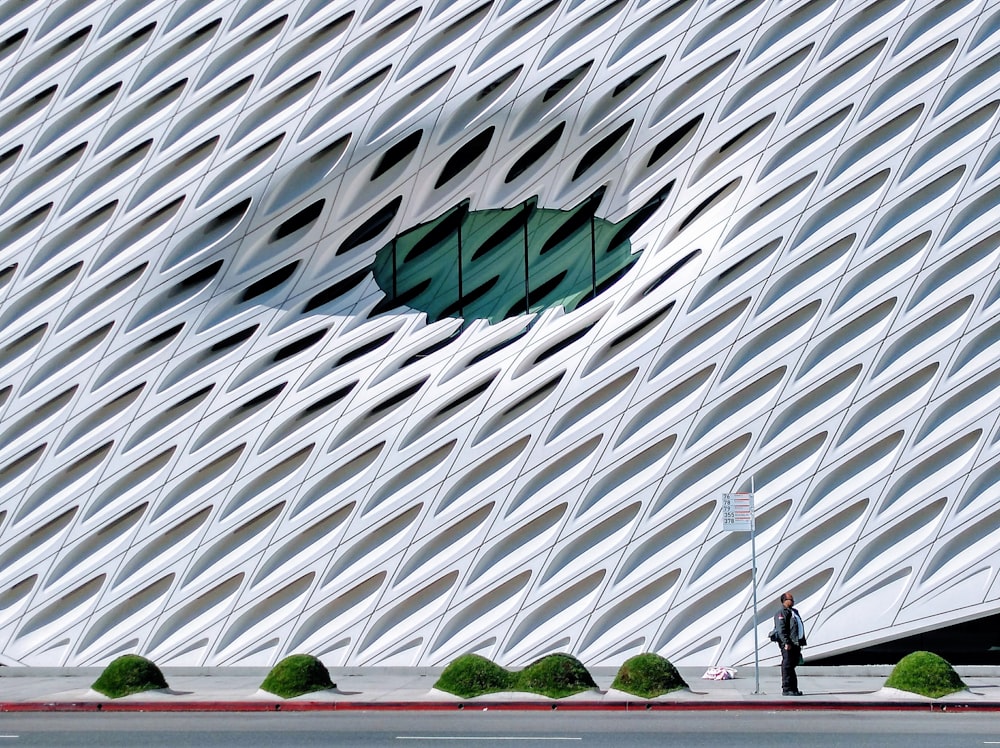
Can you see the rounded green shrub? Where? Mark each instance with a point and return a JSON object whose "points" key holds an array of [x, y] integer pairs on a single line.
{"points": [[648, 675], [555, 675], [474, 675], [129, 674], [295, 675], [925, 673]]}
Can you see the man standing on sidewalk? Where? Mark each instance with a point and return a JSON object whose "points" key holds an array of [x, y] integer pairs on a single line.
{"points": [[791, 638]]}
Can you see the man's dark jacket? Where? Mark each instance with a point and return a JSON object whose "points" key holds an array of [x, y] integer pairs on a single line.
{"points": [[787, 633]]}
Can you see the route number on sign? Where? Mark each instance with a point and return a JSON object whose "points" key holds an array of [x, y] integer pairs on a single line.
{"points": [[737, 512]]}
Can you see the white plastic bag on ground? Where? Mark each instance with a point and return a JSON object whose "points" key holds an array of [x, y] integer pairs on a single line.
{"points": [[719, 673]]}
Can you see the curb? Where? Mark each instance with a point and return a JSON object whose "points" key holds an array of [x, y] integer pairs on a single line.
{"points": [[533, 706]]}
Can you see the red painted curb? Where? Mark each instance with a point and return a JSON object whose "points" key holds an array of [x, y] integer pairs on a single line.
{"points": [[444, 706]]}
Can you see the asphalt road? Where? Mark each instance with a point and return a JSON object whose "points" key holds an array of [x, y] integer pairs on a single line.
{"points": [[476, 729]]}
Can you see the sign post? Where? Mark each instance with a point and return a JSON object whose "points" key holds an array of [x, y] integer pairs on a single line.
{"points": [[738, 516]]}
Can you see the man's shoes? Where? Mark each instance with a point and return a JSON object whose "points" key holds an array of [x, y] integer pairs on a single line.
{"points": [[791, 693]]}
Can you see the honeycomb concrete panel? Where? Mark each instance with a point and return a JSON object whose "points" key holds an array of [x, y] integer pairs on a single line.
{"points": [[221, 441]]}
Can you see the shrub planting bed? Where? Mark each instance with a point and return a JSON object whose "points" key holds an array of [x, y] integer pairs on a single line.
{"points": [[648, 675], [129, 674], [925, 673], [296, 675], [473, 675], [555, 675]]}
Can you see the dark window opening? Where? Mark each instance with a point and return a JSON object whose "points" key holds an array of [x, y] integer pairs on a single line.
{"points": [[397, 398], [537, 294], [612, 279], [568, 80], [361, 350], [234, 340], [193, 398], [10, 155], [485, 354], [198, 278], [263, 398], [335, 291], [34, 332], [630, 226], [747, 262], [497, 254], [372, 227], [469, 396], [433, 348], [705, 204], [269, 282], [12, 40], [470, 298], [576, 222], [465, 156], [402, 299], [226, 217], [501, 81], [331, 399], [32, 106], [70, 40], [560, 344], [535, 153], [397, 153], [752, 130], [666, 146], [304, 218], [637, 330], [670, 272], [299, 345], [164, 337], [444, 229], [626, 84], [513, 227], [363, 85]]}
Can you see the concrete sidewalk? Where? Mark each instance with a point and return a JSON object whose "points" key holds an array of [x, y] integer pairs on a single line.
{"points": [[375, 688]]}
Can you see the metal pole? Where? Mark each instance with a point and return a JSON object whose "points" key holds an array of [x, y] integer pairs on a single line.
{"points": [[393, 268], [461, 300], [753, 574], [527, 292], [593, 257]]}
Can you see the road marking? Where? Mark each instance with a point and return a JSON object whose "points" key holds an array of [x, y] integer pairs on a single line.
{"points": [[472, 737]]}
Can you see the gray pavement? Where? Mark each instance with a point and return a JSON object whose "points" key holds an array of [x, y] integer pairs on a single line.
{"points": [[237, 689]]}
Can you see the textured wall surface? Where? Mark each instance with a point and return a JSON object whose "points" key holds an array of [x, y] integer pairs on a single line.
{"points": [[218, 447]]}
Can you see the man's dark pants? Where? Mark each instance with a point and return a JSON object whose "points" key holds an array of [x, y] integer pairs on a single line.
{"points": [[789, 659]]}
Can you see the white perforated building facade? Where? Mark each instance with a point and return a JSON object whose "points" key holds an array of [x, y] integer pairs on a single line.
{"points": [[221, 441]]}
